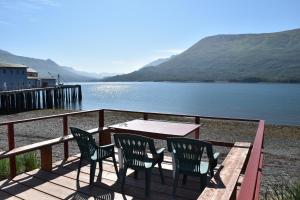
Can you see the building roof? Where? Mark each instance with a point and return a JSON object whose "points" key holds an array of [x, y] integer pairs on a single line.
{"points": [[31, 77], [31, 70], [47, 78], [12, 65]]}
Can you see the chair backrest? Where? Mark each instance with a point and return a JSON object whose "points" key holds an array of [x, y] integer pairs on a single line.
{"points": [[188, 151], [85, 141], [134, 148]]}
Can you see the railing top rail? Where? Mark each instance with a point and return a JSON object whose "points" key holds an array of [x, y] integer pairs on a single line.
{"points": [[186, 115], [47, 117], [128, 111], [249, 185]]}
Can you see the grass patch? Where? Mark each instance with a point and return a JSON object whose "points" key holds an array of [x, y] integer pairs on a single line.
{"points": [[24, 162], [30, 161], [4, 168], [283, 191]]}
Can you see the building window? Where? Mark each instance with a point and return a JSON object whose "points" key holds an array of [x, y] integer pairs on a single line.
{"points": [[11, 71], [4, 71]]}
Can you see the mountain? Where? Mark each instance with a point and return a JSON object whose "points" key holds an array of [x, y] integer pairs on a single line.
{"points": [[159, 61], [48, 68], [268, 57]]}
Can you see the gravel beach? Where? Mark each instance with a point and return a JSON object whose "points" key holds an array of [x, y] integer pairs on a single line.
{"points": [[281, 153]]}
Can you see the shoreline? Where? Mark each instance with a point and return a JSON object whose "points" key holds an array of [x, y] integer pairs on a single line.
{"points": [[281, 141]]}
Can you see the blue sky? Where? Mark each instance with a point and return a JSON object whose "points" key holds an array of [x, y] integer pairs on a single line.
{"points": [[122, 36]]}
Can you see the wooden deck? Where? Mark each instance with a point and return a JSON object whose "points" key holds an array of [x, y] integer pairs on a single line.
{"points": [[237, 177], [61, 183]]}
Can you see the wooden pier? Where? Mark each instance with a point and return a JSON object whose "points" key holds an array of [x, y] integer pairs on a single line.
{"points": [[64, 96]]}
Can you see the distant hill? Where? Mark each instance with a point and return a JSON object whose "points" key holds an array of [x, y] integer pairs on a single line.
{"points": [[48, 67], [268, 57]]}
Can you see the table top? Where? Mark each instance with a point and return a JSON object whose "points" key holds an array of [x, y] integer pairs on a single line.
{"points": [[155, 128]]}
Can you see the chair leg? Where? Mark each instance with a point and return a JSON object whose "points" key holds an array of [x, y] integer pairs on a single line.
{"points": [[184, 179], [211, 171], [79, 166], [100, 166], [92, 172], [161, 173], [147, 181], [203, 181], [175, 183], [124, 171], [136, 173], [115, 165], [100, 169]]}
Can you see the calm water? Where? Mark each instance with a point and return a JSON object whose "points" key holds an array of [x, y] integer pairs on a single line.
{"points": [[276, 103]]}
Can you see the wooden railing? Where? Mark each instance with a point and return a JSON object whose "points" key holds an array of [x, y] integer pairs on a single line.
{"points": [[251, 184], [249, 189]]}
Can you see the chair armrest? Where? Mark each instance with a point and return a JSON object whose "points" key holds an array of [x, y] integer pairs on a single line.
{"points": [[216, 155], [161, 150], [107, 147]]}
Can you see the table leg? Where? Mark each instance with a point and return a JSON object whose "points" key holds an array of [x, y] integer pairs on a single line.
{"points": [[197, 133], [120, 158]]}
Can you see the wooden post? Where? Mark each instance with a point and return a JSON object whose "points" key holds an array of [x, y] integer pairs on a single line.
{"points": [[46, 158], [66, 144], [11, 146], [145, 116], [104, 136], [197, 132], [100, 123]]}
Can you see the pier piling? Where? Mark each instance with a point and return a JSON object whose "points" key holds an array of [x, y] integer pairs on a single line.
{"points": [[65, 96]]}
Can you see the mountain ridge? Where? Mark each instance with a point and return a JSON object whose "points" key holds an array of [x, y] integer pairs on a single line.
{"points": [[48, 67], [262, 57]]}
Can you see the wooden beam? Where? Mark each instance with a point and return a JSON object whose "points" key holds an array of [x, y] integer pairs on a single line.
{"points": [[223, 185], [39, 145], [66, 144], [101, 123], [249, 185], [11, 145], [46, 158]]}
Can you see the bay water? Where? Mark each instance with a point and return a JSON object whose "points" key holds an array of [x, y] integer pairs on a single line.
{"points": [[275, 103]]}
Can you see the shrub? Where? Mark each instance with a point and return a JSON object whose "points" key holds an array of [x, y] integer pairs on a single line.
{"points": [[30, 161], [4, 168], [25, 162]]}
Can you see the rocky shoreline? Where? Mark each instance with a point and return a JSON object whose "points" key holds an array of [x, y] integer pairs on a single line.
{"points": [[281, 153]]}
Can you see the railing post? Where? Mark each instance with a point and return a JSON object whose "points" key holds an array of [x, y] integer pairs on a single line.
{"points": [[66, 144], [104, 136], [100, 123], [145, 116], [11, 146], [46, 158]]}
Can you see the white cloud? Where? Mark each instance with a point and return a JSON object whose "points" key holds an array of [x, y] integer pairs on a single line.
{"points": [[52, 3], [4, 22], [28, 5]]}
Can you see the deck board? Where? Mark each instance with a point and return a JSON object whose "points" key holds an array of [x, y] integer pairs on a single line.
{"points": [[4, 195], [61, 183], [24, 192], [223, 185]]}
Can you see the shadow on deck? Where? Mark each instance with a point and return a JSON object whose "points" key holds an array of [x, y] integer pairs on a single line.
{"points": [[61, 183]]}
